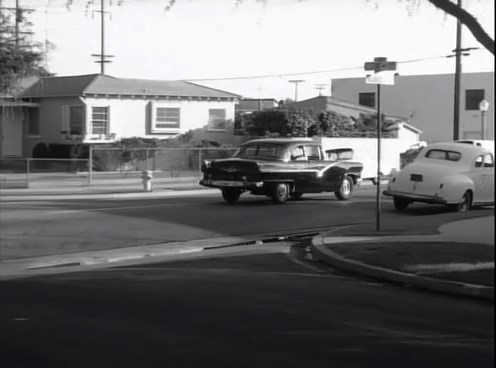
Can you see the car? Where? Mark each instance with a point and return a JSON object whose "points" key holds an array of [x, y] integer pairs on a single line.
{"points": [[457, 175], [281, 168]]}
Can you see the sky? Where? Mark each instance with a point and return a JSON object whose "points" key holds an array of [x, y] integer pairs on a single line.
{"points": [[263, 44]]}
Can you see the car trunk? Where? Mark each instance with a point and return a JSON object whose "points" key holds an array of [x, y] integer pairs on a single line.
{"points": [[422, 179], [234, 169]]}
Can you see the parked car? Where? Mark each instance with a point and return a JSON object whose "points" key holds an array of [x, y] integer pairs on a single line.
{"points": [[451, 173], [280, 169]]}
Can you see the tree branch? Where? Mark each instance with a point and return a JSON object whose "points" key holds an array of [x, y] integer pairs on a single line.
{"points": [[468, 20]]}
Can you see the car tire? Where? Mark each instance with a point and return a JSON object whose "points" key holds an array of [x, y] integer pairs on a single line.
{"points": [[296, 195], [231, 195], [280, 193], [465, 203], [400, 204], [345, 190]]}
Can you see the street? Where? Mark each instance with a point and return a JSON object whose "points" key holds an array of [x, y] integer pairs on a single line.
{"points": [[36, 228], [243, 307]]}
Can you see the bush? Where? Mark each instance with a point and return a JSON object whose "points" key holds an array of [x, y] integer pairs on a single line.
{"points": [[41, 151], [58, 150]]}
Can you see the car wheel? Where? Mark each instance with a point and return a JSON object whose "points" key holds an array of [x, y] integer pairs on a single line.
{"points": [[346, 190], [280, 193], [296, 195], [464, 204], [230, 195], [400, 204]]}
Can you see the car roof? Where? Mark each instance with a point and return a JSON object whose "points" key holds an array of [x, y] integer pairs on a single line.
{"points": [[461, 147], [281, 141]]}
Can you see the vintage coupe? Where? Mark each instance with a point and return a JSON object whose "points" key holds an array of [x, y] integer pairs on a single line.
{"points": [[280, 168], [455, 174]]}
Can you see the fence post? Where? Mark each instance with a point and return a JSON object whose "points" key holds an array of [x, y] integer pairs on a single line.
{"points": [[199, 160], [146, 154], [90, 165], [28, 160]]}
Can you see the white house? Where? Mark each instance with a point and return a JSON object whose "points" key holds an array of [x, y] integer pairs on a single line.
{"points": [[98, 108], [428, 102]]}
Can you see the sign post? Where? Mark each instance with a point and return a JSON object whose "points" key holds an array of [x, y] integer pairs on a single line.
{"points": [[380, 66]]}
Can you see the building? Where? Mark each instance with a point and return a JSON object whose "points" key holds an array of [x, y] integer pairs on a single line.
{"points": [[428, 102], [98, 108], [247, 105]]}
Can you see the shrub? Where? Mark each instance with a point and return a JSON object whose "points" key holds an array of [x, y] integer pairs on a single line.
{"points": [[41, 151]]}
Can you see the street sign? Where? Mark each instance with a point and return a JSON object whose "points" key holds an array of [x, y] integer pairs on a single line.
{"points": [[384, 77], [379, 64]]}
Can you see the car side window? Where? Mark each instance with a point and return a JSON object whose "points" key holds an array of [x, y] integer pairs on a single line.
{"points": [[312, 152], [488, 160], [298, 154], [478, 161]]}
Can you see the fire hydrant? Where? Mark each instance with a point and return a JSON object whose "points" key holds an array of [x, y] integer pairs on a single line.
{"points": [[147, 180]]}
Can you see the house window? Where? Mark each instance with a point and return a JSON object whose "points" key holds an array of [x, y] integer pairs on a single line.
{"points": [[100, 120], [217, 119], [76, 120], [72, 120], [366, 99], [33, 122], [472, 98], [167, 117]]}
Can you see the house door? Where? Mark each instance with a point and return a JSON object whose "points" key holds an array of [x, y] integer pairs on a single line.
{"points": [[11, 136]]}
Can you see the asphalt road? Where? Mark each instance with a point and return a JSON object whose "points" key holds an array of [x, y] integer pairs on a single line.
{"points": [[65, 226], [236, 308]]}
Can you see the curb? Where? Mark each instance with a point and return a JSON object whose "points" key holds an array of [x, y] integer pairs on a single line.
{"points": [[444, 286]]}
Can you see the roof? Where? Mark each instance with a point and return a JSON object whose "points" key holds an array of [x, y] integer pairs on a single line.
{"points": [[282, 141], [101, 84], [463, 148]]}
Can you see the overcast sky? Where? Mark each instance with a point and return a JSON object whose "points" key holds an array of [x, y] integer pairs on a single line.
{"points": [[198, 39]]}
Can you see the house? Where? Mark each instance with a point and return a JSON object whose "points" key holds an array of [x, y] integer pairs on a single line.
{"points": [[99, 108], [248, 105], [428, 101], [400, 129], [13, 112]]}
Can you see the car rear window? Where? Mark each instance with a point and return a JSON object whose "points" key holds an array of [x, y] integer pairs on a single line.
{"points": [[439, 154], [259, 151]]}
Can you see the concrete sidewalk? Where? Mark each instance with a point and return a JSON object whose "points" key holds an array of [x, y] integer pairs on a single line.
{"points": [[458, 260]]}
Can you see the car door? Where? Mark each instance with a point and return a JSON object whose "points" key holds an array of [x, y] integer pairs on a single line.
{"points": [[488, 178], [477, 175], [299, 166]]}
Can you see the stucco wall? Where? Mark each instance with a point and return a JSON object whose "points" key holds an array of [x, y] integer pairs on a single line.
{"points": [[428, 100], [130, 117], [50, 120], [365, 151]]}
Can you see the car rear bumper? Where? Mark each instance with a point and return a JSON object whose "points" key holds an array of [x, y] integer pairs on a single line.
{"points": [[246, 185], [415, 197]]}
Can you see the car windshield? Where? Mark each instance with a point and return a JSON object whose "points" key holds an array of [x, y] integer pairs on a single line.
{"points": [[439, 154], [269, 151]]}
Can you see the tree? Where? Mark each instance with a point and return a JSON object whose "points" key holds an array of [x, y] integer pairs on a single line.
{"points": [[447, 6], [18, 58], [466, 19]]}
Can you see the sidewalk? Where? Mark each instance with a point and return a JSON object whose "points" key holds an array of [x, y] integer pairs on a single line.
{"points": [[458, 260]]}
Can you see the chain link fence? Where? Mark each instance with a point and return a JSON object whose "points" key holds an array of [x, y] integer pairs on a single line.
{"points": [[105, 165]]}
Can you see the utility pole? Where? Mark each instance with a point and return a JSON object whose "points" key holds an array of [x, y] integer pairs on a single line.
{"points": [[18, 18], [320, 87], [458, 72], [296, 82], [102, 57]]}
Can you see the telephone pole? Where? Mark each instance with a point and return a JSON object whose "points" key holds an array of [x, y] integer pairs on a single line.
{"points": [[18, 19], [296, 82], [102, 57], [458, 72], [320, 87]]}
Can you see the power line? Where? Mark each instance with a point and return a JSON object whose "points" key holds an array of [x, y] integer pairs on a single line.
{"points": [[281, 75]]}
